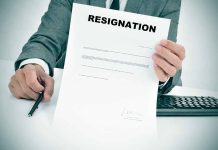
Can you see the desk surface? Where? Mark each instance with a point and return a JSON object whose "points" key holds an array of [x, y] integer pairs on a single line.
{"points": [[18, 131]]}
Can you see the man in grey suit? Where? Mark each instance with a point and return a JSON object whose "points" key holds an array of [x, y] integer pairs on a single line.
{"points": [[46, 49]]}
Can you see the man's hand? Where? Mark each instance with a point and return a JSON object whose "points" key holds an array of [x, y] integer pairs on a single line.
{"points": [[167, 59], [29, 81]]}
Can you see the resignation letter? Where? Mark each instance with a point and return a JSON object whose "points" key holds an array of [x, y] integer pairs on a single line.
{"points": [[109, 89]]}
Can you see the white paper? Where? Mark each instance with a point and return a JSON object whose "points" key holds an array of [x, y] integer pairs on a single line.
{"points": [[108, 94]]}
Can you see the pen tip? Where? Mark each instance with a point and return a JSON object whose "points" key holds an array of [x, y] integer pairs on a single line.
{"points": [[29, 115]]}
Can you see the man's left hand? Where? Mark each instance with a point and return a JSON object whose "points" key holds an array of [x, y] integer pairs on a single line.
{"points": [[168, 57]]}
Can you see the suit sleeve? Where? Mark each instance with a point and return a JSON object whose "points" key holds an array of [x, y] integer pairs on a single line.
{"points": [[50, 41], [172, 11]]}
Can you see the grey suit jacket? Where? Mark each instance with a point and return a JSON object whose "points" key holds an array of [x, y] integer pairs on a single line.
{"points": [[49, 43]]}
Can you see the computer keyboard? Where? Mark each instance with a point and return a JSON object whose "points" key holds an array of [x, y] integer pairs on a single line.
{"points": [[168, 105]]}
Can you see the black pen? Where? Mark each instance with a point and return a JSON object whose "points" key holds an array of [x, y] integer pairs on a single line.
{"points": [[35, 106]]}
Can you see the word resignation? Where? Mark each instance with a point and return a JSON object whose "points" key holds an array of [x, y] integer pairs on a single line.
{"points": [[122, 23]]}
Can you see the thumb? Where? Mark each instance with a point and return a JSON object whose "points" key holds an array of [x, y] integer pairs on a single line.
{"points": [[49, 87]]}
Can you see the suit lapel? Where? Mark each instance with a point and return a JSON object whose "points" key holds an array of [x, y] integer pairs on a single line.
{"points": [[133, 5], [82, 1], [99, 3]]}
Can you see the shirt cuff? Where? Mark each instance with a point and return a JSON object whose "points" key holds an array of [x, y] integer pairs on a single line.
{"points": [[160, 86], [37, 61]]}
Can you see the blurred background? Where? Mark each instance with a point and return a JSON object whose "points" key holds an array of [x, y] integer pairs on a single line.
{"points": [[197, 32]]}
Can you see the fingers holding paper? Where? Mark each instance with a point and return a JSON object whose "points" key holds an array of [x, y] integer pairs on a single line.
{"points": [[167, 58]]}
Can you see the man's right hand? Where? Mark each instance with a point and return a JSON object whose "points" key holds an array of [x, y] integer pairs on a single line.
{"points": [[29, 81]]}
